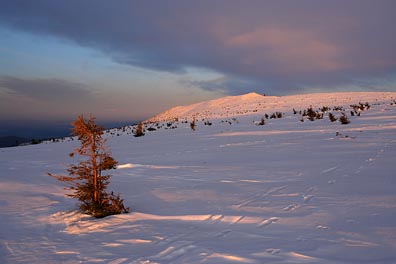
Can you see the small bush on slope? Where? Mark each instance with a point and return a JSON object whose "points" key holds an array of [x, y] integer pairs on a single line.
{"points": [[344, 119], [193, 125], [262, 122], [332, 117], [139, 130], [276, 115]]}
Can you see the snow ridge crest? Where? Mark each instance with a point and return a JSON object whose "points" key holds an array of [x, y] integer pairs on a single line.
{"points": [[258, 104]]}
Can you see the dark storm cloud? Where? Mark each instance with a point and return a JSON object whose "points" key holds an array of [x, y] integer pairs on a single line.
{"points": [[285, 44], [55, 90]]}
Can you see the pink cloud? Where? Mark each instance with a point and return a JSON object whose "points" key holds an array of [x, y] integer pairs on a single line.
{"points": [[292, 50]]}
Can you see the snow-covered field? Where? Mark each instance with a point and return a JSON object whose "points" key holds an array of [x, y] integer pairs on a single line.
{"points": [[285, 192]]}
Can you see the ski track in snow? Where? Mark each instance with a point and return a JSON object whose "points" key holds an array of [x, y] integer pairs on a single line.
{"points": [[285, 192]]}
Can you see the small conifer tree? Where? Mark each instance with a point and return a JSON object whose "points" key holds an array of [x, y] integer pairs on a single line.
{"points": [[332, 117], [344, 119], [312, 115], [193, 125], [139, 130], [86, 179], [262, 122]]}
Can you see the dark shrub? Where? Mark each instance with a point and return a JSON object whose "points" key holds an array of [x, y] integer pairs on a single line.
{"points": [[332, 117], [344, 119]]}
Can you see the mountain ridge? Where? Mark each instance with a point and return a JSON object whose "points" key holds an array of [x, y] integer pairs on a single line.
{"points": [[254, 103]]}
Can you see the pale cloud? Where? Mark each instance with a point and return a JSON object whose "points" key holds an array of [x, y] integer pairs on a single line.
{"points": [[287, 50], [40, 89]]}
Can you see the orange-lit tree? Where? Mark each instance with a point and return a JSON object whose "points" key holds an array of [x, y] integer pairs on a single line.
{"points": [[139, 130], [86, 179]]}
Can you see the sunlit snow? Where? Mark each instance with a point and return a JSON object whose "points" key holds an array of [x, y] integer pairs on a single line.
{"points": [[230, 192]]}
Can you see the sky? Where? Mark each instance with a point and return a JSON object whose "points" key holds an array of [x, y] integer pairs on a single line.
{"points": [[125, 61]]}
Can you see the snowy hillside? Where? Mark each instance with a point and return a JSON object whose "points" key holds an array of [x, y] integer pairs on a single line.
{"points": [[235, 190], [253, 103]]}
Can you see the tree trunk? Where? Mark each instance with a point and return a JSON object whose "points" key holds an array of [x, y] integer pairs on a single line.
{"points": [[94, 169]]}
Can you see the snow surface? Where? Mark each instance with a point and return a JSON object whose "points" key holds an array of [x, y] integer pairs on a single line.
{"points": [[232, 192]]}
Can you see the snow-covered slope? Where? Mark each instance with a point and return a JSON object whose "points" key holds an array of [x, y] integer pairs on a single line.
{"points": [[253, 103], [233, 192]]}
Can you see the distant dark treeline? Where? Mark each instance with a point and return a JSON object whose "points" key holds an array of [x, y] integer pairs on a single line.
{"points": [[11, 141], [14, 133]]}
